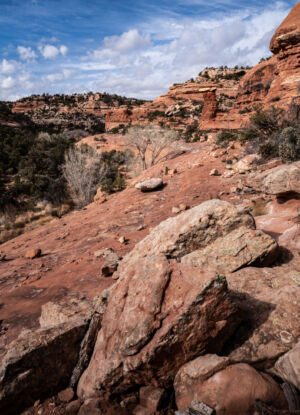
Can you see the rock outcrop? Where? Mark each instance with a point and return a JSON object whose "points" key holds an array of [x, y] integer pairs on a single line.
{"points": [[283, 180], [288, 33], [238, 249]]}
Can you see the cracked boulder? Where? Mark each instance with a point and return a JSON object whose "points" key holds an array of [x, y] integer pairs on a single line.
{"points": [[160, 314], [39, 363]]}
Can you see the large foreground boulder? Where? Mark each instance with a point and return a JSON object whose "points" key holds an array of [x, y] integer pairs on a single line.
{"points": [[163, 313], [159, 316], [230, 391], [39, 363]]}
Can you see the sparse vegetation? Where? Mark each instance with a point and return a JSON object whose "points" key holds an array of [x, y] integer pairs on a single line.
{"points": [[224, 137], [271, 134], [85, 171], [192, 133]]}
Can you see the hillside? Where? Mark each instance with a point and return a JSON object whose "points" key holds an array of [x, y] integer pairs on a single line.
{"points": [[179, 294]]}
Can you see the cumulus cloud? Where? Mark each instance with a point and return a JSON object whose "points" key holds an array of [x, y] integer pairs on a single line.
{"points": [[128, 41], [26, 53], [59, 76], [63, 50], [50, 51], [8, 82], [7, 67]]}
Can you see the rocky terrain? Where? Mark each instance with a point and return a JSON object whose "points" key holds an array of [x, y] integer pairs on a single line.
{"points": [[178, 295], [68, 112]]}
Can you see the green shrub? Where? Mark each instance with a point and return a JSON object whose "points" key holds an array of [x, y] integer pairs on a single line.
{"points": [[273, 135], [289, 147], [224, 137]]}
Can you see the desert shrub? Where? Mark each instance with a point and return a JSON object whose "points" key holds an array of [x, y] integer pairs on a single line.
{"points": [[289, 147], [115, 164], [154, 114], [268, 150], [224, 137], [271, 134], [191, 132], [114, 130], [268, 122]]}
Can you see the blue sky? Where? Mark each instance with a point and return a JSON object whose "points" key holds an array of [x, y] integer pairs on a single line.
{"points": [[133, 48]]}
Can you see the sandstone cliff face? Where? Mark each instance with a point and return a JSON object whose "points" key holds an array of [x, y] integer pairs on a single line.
{"points": [[212, 92]]}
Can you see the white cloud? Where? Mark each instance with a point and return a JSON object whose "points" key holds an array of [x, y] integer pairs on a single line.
{"points": [[50, 51], [8, 83], [63, 50], [26, 54], [127, 42], [59, 76], [7, 67]]}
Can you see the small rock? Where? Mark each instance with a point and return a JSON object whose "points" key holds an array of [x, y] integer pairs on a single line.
{"points": [[214, 172], [33, 253], [66, 395], [101, 253], [2, 256], [110, 264], [247, 163], [172, 171], [228, 174], [73, 407], [183, 207], [123, 240], [141, 227], [100, 197], [90, 407], [175, 210], [148, 185]]}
